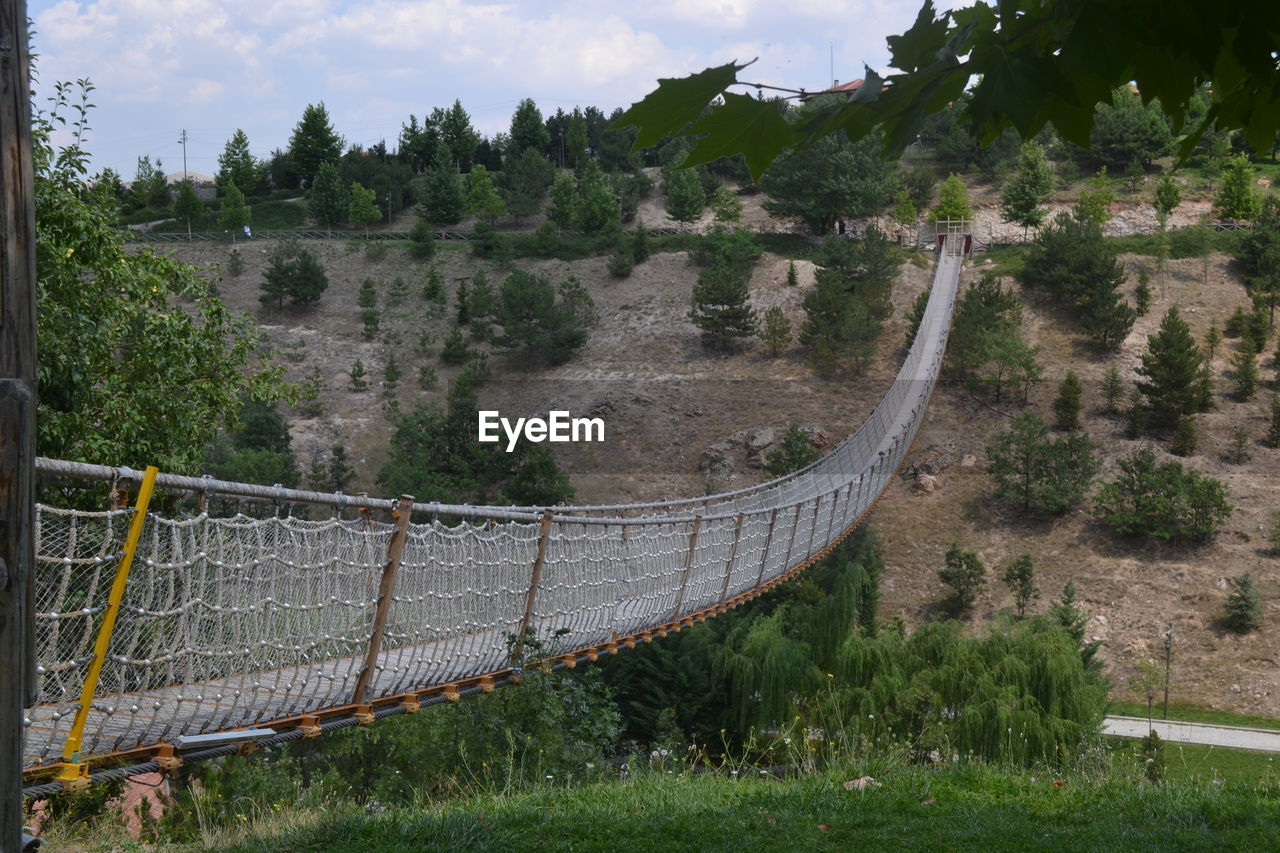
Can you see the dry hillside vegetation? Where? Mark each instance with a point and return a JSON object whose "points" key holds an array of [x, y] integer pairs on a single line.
{"points": [[683, 421]]}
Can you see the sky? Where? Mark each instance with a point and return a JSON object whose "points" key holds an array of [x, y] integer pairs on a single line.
{"points": [[164, 66]]}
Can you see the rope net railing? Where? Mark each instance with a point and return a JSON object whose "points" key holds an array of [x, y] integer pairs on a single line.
{"points": [[231, 621]]}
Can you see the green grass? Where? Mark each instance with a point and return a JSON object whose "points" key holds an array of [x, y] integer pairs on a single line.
{"points": [[1192, 714], [958, 808], [1197, 763]]}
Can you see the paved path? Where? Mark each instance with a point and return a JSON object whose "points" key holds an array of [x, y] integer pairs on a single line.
{"points": [[1264, 740]]}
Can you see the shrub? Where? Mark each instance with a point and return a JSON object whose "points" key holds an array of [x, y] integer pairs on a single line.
{"points": [[1112, 390], [357, 374], [235, 264], [422, 238], [1040, 471], [776, 330], [795, 452], [1020, 577], [455, 350], [1238, 452], [620, 264], [1184, 437], [1162, 501], [1066, 406]]}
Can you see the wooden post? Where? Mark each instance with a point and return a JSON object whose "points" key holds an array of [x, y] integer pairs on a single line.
{"points": [[688, 566], [791, 540], [17, 413], [768, 540], [387, 586], [535, 577], [813, 525], [733, 552]]}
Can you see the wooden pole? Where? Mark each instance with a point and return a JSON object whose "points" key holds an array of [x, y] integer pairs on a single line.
{"points": [[764, 555], [688, 566], [535, 577], [17, 413], [733, 553], [386, 587]]}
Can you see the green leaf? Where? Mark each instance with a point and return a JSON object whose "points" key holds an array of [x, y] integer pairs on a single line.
{"points": [[919, 45], [743, 125], [676, 102]]}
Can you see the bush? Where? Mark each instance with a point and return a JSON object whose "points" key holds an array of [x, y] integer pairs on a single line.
{"points": [[423, 241], [455, 349], [1066, 406], [775, 331], [235, 264], [533, 319], [620, 263], [1162, 501], [1184, 437], [1040, 471], [796, 451]]}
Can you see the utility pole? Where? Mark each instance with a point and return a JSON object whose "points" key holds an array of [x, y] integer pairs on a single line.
{"points": [[182, 140], [17, 415]]}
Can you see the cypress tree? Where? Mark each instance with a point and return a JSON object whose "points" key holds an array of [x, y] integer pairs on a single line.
{"points": [[1172, 372], [1067, 405]]}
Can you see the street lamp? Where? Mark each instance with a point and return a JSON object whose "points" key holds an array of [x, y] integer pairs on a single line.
{"points": [[1167, 636]]}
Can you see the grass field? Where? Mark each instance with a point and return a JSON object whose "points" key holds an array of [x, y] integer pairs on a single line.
{"points": [[1192, 714]]}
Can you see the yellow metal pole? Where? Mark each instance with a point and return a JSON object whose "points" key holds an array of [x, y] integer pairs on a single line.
{"points": [[73, 772]]}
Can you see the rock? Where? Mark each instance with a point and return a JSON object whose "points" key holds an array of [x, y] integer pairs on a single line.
{"points": [[933, 460], [760, 438], [925, 484], [1220, 583], [968, 461], [717, 459], [1235, 688]]}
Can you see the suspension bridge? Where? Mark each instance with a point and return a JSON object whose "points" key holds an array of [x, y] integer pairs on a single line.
{"points": [[163, 638]]}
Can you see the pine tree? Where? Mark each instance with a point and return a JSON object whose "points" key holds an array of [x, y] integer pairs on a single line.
{"points": [[237, 166], [1112, 390], [433, 288], [640, 244], [1020, 577], [1142, 293], [368, 295], [1237, 198], [1246, 370], [776, 332], [1066, 407], [1238, 453], [443, 200], [1040, 471], [314, 141], [1212, 340], [795, 451], [597, 207], [953, 201], [1272, 438], [357, 374], [188, 207], [721, 306], [1184, 437], [1172, 372], [792, 278], [1243, 607], [340, 471], [685, 199]]}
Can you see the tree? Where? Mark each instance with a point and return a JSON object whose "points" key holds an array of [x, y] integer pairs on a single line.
{"points": [[313, 142], [443, 200], [727, 206], [1128, 129], [953, 201], [776, 331], [188, 206], [916, 316], [1184, 437], [1094, 203], [1242, 611], [721, 304], [301, 279], [987, 316], [1237, 198], [534, 320], [327, 200], [1020, 577], [845, 312], [795, 451], [833, 179], [1162, 501], [538, 482], [564, 198], [524, 181], [363, 207], [1066, 406], [685, 199], [237, 166], [1167, 196], [990, 51], [528, 133], [1171, 373], [150, 188], [1071, 261], [235, 214], [597, 207], [965, 575], [482, 196], [140, 362], [1272, 438], [575, 140], [1028, 188], [457, 134], [1112, 390], [1246, 368], [1038, 470]]}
